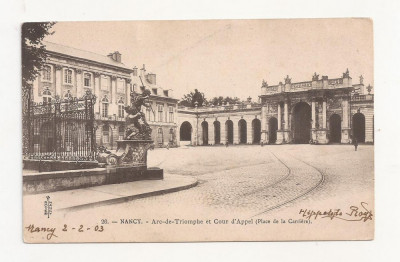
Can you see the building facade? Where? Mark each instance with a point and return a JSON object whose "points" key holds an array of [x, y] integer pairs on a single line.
{"points": [[162, 116], [232, 124], [70, 73], [319, 111]]}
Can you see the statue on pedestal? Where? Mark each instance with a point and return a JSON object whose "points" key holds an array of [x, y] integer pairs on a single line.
{"points": [[136, 124]]}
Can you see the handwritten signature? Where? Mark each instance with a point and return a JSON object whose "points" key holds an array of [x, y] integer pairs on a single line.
{"points": [[49, 230], [355, 213]]}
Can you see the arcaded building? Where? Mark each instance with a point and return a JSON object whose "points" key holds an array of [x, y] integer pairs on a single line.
{"points": [[319, 111], [323, 110]]}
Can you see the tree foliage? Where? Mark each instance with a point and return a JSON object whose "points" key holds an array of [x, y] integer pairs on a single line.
{"points": [[33, 51], [190, 99], [220, 100]]}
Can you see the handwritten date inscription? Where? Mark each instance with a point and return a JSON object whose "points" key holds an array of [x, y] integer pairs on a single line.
{"points": [[50, 231]]}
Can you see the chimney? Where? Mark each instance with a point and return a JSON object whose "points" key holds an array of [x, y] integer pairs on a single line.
{"points": [[135, 71], [143, 71], [151, 78], [116, 56]]}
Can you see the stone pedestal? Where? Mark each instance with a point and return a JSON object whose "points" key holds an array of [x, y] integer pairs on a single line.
{"points": [[279, 137], [130, 162], [283, 137], [131, 153], [345, 135], [319, 136]]}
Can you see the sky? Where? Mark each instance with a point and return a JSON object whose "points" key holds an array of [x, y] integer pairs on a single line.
{"points": [[230, 57]]}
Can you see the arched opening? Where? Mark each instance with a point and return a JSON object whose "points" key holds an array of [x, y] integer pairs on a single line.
{"points": [[359, 127], [171, 136], [47, 141], [106, 134], [335, 128], [256, 124], [301, 123], [185, 132], [229, 131], [204, 128], [273, 126], [242, 131], [121, 132], [217, 132], [70, 139], [160, 136]]}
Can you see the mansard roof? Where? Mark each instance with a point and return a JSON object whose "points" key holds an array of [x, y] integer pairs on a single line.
{"points": [[83, 54]]}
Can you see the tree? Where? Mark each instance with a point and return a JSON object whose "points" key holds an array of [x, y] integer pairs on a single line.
{"points": [[223, 101], [190, 99], [33, 52]]}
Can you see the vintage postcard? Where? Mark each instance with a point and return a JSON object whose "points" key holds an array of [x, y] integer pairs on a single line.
{"points": [[203, 130]]}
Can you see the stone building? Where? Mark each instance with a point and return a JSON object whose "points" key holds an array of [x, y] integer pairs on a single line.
{"points": [[213, 125], [319, 111], [70, 72], [162, 116]]}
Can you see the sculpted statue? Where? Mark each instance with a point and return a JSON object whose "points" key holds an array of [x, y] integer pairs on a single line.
{"points": [[136, 124]]}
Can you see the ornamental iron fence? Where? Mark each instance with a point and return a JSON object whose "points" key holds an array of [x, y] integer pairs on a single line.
{"points": [[60, 129]]}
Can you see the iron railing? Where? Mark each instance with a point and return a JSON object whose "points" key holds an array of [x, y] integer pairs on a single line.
{"points": [[61, 129]]}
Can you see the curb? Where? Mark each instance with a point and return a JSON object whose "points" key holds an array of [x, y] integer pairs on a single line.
{"points": [[119, 200]]}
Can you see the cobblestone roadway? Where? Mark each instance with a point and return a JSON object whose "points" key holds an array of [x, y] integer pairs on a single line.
{"points": [[241, 180]]}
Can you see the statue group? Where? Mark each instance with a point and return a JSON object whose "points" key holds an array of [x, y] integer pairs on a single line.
{"points": [[136, 124]]}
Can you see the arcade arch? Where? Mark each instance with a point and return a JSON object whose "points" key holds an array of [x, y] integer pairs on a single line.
{"points": [[242, 131], [256, 124], [301, 123], [359, 127], [335, 128]]}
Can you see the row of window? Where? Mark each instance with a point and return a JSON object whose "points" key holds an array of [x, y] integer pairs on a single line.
{"points": [[160, 135], [160, 114], [47, 76]]}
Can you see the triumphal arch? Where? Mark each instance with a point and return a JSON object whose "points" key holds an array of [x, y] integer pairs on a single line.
{"points": [[319, 111]]}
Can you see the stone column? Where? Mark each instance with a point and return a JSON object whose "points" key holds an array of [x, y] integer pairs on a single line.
{"points": [[345, 113], [264, 127], [223, 130], [324, 113], [211, 135], [279, 117], [313, 113], [113, 96], [79, 86], [286, 115], [97, 91], [235, 131], [58, 81], [345, 121], [249, 131]]}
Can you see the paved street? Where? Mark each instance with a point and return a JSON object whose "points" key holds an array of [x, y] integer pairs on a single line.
{"points": [[249, 181]]}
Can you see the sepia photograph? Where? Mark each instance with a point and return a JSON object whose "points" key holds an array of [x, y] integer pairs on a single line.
{"points": [[198, 130]]}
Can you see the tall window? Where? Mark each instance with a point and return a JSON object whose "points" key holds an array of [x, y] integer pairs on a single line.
{"points": [[160, 138], [106, 134], [148, 114], [120, 86], [171, 114], [121, 132], [105, 83], [68, 76], [87, 80], [46, 96], [104, 109], [160, 112], [121, 109], [46, 73]]}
